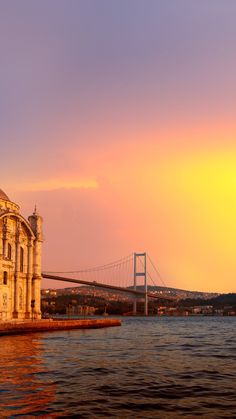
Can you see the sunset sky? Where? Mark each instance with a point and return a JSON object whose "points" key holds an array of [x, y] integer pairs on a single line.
{"points": [[118, 119]]}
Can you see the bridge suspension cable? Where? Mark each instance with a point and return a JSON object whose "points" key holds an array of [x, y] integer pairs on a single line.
{"points": [[117, 273], [156, 270], [110, 265]]}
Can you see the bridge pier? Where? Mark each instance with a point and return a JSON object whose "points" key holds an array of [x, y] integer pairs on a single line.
{"points": [[146, 305], [142, 273], [135, 284], [146, 288]]}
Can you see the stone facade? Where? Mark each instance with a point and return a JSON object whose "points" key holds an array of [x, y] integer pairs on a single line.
{"points": [[20, 262]]}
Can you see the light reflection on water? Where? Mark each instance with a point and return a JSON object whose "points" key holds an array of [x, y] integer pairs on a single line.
{"points": [[148, 368], [21, 388]]}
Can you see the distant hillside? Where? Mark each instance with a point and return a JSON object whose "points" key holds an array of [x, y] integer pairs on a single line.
{"points": [[219, 301], [159, 290], [179, 293]]}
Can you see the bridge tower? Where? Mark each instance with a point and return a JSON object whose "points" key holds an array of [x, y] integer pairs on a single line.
{"points": [[142, 273]]}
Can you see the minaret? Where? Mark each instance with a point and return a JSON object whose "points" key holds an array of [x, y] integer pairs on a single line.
{"points": [[36, 222]]}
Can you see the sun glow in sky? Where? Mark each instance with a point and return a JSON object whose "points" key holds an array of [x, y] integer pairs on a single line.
{"points": [[118, 120]]}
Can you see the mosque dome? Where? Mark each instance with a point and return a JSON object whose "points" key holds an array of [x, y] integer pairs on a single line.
{"points": [[3, 196]]}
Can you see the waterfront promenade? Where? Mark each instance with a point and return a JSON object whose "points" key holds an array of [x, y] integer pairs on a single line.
{"points": [[12, 328]]}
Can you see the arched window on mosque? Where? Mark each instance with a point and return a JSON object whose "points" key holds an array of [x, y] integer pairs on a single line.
{"points": [[9, 251], [21, 259], [5, 275]]}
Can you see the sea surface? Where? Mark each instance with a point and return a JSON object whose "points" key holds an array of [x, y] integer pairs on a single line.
{"points": [[164, 367]]}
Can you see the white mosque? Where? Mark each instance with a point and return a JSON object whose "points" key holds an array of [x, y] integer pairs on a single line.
{"points": [[20, 262]]}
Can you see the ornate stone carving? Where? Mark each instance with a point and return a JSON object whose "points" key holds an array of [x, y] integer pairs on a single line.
{"points": [[24, 265]]}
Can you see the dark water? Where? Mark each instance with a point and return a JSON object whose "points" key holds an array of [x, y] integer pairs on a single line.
{"points": [[148, 368]]}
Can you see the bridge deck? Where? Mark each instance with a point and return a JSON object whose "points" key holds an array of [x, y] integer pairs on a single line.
{"points": [[100, 285]]}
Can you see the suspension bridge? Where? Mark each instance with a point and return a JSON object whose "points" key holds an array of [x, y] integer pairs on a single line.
{"points": [[132, 275]]}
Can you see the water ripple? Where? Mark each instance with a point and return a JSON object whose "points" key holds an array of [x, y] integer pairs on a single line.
{"points": [[148, 368]]}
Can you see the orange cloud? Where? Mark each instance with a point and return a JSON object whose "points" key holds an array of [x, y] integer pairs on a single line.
{"points": [[55, 184]]}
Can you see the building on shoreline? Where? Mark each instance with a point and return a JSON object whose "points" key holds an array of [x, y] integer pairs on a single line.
{"points": [[20, 262]]}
